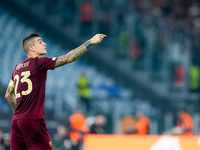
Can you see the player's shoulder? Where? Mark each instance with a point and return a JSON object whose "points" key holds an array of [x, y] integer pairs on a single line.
{"points": [[38, 59], [44, 58], [47, 59]]}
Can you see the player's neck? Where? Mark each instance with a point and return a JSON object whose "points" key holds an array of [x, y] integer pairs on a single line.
{"points": [[34, 56]]}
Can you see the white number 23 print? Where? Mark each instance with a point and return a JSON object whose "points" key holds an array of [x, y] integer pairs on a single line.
{"points": [[24, 78]]}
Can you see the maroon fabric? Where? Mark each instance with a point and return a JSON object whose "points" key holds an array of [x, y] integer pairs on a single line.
{"points": [[30, 135], [29, 78]]}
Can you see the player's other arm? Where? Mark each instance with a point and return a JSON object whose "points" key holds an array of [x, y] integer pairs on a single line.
{"points": [[79, 51], [10, 96]]}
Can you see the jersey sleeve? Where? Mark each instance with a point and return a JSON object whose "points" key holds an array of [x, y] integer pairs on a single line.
{"points": [[46, 63]]}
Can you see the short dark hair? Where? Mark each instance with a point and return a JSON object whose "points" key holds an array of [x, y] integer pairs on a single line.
{"points": [[28, 38]]}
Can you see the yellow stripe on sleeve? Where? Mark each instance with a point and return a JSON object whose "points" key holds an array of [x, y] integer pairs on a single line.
{"points": [[11, 83]]}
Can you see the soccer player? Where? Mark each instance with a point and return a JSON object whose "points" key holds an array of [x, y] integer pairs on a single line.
{"points": [[26, 92]]}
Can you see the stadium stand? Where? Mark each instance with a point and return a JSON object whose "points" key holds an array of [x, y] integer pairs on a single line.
{"points": [[107, 92], [154, 62]]}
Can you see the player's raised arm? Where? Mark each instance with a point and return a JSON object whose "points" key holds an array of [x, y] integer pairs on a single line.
{"points": [[10, 96], [79, 51]]}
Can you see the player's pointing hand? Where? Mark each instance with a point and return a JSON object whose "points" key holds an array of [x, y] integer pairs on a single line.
{"points": [[97, 38]]}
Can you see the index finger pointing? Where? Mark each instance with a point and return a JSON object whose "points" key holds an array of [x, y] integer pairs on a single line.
{"points": [[103, 35]]}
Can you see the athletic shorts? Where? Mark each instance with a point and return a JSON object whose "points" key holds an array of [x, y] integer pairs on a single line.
{"points": [[30, 135]]}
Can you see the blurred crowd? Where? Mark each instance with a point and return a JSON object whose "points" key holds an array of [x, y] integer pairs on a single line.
{"points": [[160, 37], [70, 134], [4, 141]]}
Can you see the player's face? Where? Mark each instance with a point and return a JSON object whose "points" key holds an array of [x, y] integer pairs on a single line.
{"points": [[40, 46]]}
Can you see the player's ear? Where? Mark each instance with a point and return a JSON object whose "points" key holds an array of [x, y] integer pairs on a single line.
{"points": [[31, 48]]}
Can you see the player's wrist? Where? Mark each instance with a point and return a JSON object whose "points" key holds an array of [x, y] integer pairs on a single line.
{"points": [[87, 44]]}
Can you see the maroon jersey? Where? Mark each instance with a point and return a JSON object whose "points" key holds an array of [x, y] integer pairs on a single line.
{"points": [[29, 79]]}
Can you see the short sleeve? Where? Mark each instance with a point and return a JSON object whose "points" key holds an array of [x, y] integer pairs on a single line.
{"points": [[46, 63]]}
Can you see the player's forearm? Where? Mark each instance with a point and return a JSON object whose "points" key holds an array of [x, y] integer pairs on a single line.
{"points": [[12, 101], [79, 51], [10, 97], [72, 55]]}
